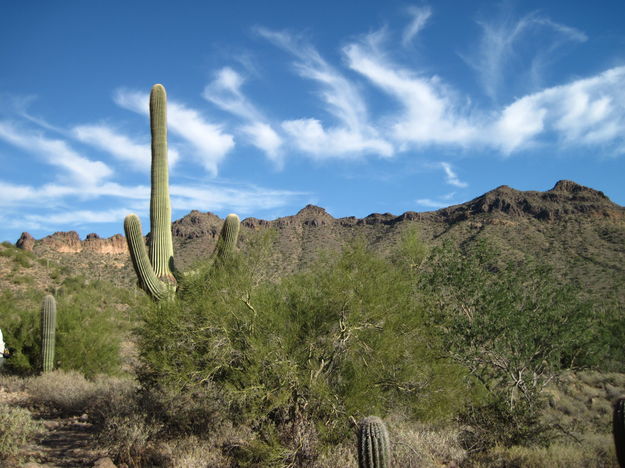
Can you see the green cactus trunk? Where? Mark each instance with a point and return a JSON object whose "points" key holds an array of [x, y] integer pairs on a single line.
{"points": [[618, 430], [161, 246], [156, 270], [373, 444], [227, 242], [48, 333]]}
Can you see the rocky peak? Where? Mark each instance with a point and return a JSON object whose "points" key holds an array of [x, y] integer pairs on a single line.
{"points": [[565, 198], [197, 224], [313, 215], [26, 242]]}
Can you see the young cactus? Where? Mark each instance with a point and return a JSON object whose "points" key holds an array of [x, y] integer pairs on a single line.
{"points": [[373, 444], [156, 271], [48, 333], [618, 430]]}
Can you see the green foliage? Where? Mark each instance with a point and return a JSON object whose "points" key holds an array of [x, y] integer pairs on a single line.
{"points": [[513, 326], [22, 258], [294, 360], [88, 333]]}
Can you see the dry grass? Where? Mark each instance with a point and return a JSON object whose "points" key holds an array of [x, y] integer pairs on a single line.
{"points": [[595, 451], [71, 393]]}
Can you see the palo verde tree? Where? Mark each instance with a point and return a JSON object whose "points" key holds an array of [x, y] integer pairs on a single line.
{"points": [[156, 272]]}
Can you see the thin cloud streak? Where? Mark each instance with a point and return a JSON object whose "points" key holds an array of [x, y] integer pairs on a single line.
{"points": [[420, 16], [209, 142], [105, 138], [81, 170], [354, 135], [225, 92], [500, 37]]}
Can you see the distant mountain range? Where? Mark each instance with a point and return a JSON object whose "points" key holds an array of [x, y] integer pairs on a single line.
{"points": [[577, 229]]}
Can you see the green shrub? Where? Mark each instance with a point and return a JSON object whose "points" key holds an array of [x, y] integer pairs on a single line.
{"points": [[89, 327], [514, 327], [294, 360]]}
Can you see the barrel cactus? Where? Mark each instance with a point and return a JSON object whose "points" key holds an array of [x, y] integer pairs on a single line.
{"points": [[48, 333], [373, 444], [618, 430], [156, 272]]}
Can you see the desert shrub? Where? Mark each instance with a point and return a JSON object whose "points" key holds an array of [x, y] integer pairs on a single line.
{"points": [[295, 360], [89, 328], [16, 428], [514, 327]]}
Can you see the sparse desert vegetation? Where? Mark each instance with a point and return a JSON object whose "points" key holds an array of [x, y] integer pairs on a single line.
{"points": [[246, 369]]}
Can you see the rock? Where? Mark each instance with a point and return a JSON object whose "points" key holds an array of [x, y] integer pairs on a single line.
{"points": [[25, 242], [104, 462]]}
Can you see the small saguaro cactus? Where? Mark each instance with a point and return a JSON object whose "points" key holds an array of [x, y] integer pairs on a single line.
{"points": [[373, 444], [48, 333], [156, 271], [618, 430]]}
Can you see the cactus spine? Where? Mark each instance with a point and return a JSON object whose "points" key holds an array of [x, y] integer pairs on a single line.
{"points": [[48, 333], [618, 430], [373, 444], [156, 271]]}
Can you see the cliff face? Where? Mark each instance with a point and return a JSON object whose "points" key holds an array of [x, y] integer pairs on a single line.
{"points": [[69, 242]]}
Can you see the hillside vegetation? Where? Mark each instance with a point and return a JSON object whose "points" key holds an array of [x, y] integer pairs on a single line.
{"points": [[472, 357]]}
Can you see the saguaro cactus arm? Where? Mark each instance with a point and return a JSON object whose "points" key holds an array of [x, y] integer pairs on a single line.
{"points": [[373, 444], [158, 289], [48, 333], [227, 241]]}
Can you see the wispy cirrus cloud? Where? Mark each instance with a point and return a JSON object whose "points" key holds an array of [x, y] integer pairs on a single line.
{"points": [[419, 18], [122, 147], [209, 142], [56, 152], [225, 92], [451, 177], [501, 37], [431, 112], [354, 135]]}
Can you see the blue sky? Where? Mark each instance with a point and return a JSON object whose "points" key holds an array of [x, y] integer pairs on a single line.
{"points": [[356, 106]]}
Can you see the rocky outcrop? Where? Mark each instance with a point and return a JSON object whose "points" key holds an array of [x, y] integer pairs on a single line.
{"points": [[69, 242], [25, 242], [113, 245]]}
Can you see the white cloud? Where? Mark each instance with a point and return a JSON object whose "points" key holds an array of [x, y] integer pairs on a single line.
{"points": [[353, 135], [242, 200], [76, 217], [209, 142], [225, 92], [420, 16], [430, 113], [56, 152], [452, 177], [138, 155], [263, 136], [308, 135], [429, 203], [588, 111]]}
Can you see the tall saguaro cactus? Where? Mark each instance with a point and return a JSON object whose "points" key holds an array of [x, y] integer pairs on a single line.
{"points": [[48, 332], [156, 271], [373, 444]]}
